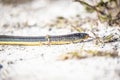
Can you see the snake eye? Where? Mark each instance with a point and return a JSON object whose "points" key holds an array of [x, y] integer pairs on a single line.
{"points": [[86, 36]]}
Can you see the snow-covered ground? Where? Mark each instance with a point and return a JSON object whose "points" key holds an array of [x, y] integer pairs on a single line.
{"points": [[40, 18]]}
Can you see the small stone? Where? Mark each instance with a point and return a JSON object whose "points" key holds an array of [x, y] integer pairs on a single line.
{"points": [[1, 66]]}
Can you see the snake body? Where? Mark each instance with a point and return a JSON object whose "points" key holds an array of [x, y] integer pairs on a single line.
{"points": [[41, 40]]}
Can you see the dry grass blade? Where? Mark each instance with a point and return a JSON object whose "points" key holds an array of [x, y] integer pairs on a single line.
{"points": [[102, 53], [70, 55], [89, 53]]}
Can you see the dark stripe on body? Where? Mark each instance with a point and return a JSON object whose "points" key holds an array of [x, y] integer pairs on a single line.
{"points": [[69, 37]]}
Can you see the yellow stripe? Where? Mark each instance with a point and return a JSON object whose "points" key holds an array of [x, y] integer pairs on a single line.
{"points": [[59, 42], [22, 43], [34, 43]]}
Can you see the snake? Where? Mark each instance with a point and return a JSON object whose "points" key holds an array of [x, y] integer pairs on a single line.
{"points": [[43, 40]]}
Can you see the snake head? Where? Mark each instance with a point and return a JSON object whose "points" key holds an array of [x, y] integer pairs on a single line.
{"points": [[83, 35]]}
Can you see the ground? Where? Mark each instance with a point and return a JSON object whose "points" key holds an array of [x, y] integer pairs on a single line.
{"points": [[90, 60]]}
